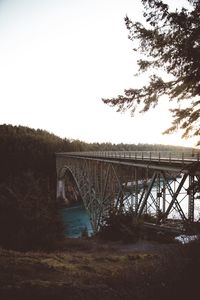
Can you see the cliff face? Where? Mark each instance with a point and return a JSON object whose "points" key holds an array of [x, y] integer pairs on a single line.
{"points": [[67, 192]]}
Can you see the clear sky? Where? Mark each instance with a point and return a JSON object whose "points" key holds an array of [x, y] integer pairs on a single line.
{"points": [[58, 58]]}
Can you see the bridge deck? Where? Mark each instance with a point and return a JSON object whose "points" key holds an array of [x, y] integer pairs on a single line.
{"points": [[169, 161]]}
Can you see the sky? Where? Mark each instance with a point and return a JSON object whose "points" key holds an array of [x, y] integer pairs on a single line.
{"points": [[59, 58]]}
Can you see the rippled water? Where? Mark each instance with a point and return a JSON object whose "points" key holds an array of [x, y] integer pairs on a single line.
{"points": [[76, 221]]}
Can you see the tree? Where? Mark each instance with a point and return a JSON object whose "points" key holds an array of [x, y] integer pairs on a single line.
{"points": [[169, 42]]}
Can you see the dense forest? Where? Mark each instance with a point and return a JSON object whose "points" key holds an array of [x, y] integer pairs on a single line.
{"points": [[29, 216]]}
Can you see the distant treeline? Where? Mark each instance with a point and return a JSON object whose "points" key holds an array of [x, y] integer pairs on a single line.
{"points": [[29, 217], [130, 147]]}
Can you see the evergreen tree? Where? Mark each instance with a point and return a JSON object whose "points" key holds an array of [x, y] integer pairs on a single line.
{"points": [[168, 42]]}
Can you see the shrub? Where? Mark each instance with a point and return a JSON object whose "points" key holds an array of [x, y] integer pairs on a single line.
{"points": [[29, 218], [121, 226]]}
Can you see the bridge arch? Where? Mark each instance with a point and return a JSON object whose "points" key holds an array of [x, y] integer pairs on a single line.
{"points": [[95, 191], [67, 180]]}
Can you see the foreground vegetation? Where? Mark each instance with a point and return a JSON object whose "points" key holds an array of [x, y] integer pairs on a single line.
{"points": [[86, 269]]}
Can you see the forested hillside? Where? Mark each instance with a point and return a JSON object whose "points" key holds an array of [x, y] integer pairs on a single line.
{"points": [[29, 217]]}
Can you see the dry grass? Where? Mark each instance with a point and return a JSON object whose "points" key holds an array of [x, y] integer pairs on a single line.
{"points": [[90, 270]]}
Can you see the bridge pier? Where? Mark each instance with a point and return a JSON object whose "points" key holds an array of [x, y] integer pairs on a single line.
{"points": [[191, 194]]}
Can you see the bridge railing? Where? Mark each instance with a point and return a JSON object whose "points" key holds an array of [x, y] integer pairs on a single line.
{"points": [[142, 155]]}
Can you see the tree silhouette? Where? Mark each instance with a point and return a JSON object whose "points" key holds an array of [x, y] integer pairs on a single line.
{"points": [[169, 43]]}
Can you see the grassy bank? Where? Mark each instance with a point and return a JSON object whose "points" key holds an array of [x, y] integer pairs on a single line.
{"points": [[88, 269]]}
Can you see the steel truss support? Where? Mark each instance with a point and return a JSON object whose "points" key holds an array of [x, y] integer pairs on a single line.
{"points": [[104, 186], [191, 199], [143, 202], [174, 196]]}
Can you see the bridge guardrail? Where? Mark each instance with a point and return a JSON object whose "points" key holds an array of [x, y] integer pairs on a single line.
{"points": [[143, 155]]}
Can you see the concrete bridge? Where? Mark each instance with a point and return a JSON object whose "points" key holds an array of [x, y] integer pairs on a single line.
{"points": [[164, 184]]}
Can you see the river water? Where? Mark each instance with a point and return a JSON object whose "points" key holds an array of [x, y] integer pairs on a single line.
{"points": [[76, 221]]}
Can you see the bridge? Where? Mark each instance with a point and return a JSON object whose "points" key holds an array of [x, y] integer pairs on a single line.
{"points": [[163, 184]]}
